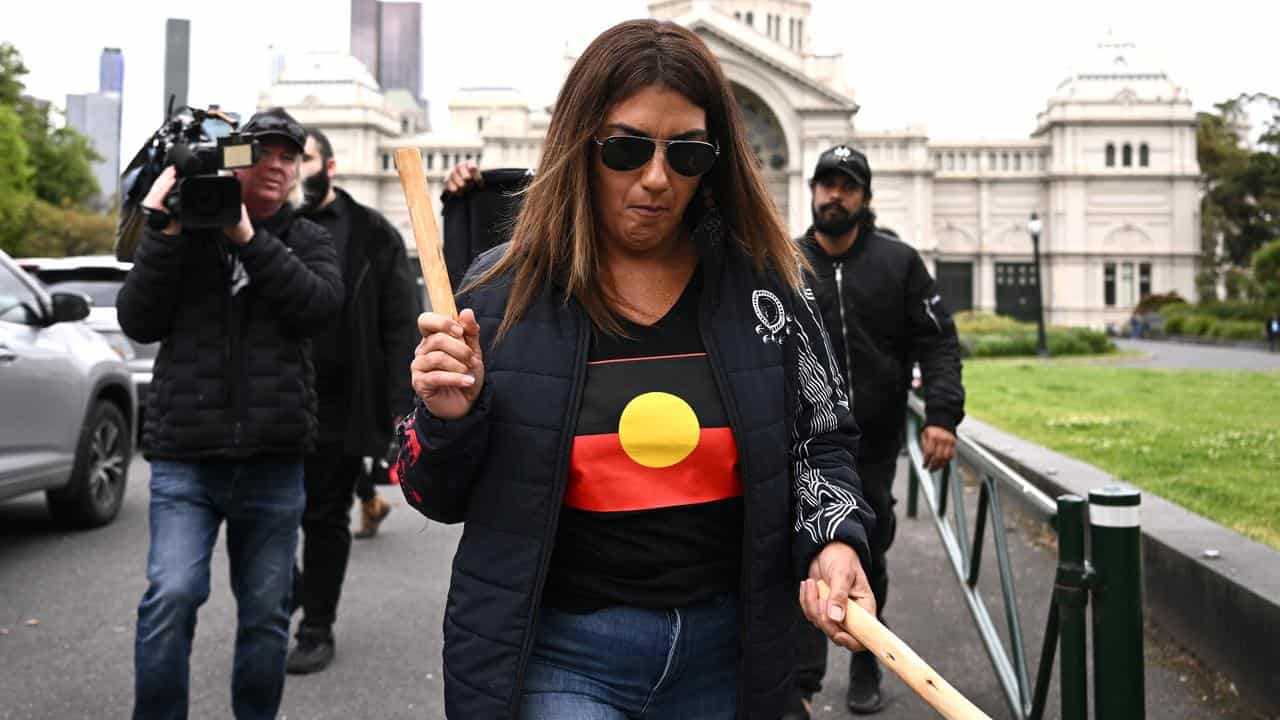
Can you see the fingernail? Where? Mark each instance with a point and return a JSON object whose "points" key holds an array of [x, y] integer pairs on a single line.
{"points": [[456, 330], [836, 613], [469, 379]]}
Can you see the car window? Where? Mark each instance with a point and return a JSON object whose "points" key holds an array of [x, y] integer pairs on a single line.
{"points": [[18, 304], [102, 292]]}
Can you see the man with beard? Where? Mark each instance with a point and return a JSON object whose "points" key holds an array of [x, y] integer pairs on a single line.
{"points": [[882, 313], [363, 390]]}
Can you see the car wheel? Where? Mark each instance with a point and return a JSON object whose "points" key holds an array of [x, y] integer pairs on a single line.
{"points": [[96, 490]]}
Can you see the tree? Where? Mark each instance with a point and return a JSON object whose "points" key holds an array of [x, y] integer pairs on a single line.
{"points": [[1266, 271], [1241, 201], [15, 180], [11, 72], [46, 179], [62, 157]]}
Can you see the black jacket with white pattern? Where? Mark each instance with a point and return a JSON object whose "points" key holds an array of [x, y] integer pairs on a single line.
{"points": [[503, 469]]}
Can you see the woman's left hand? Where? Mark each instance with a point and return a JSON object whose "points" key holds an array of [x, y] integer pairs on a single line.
{"points": [[838, 566]]}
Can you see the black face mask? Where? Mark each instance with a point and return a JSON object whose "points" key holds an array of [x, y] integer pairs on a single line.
{"points": [[838, 222], [315, 188]]}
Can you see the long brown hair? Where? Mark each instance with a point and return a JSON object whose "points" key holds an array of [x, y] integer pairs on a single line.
{"points": [[554, 238]]}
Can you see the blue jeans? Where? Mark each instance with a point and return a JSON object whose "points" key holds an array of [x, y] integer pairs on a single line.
{"points": [[626, 662], [262, 503]]}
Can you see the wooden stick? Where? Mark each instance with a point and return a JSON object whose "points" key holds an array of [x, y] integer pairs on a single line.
{"points": [[905, 663], [425, 233]]}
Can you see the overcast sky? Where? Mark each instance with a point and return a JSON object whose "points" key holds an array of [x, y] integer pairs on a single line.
{"points": [[974, 69]]}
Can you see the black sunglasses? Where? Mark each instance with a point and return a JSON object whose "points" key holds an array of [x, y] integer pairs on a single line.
{"points": [[624, 153]]}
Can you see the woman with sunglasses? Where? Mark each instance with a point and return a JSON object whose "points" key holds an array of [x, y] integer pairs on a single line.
{"points": [[638, 418]]}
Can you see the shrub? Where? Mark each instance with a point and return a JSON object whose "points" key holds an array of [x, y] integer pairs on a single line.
{"points": [[1154, 303], [1198, 324], [1237, 310], [1238, 330], [979, 323], [1175, 324], [1004, 345]]}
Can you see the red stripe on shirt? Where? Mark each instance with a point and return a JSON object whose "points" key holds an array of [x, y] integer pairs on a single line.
{"points": [[603, 478]]}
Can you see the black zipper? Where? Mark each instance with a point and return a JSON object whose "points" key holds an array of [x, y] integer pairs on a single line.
{"points": [[735, 425], [844, 330], [557, 501]]}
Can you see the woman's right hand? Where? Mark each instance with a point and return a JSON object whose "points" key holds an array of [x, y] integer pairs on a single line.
{"points": [[447, 370]]}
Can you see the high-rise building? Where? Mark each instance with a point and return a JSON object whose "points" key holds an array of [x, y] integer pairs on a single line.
{"points": [[387, 38], [177, 61], [364, 33], [97, 117], [111, 71], [400, 47]]}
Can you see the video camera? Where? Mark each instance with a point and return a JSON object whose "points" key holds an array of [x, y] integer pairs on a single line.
{"points": [[199, 144]]}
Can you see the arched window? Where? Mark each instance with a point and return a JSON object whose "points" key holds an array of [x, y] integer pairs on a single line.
{"points": [[737, 14], [951, 161], [1111, 154], [1017, 161], [800, 34], [1126, 155], [751, 18], [1144, 155], [1004, 161], [479, 124]]}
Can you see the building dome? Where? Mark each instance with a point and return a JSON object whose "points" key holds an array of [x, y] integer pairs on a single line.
{"points": [[329, 68], [1116, 70]]}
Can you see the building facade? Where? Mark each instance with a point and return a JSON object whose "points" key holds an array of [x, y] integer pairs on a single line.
{"points": [[177, 62], [1109, 167], [111, 70]]}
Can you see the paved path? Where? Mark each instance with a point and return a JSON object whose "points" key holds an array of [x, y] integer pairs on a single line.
{"points": [[1190, 356], [83, 589]]}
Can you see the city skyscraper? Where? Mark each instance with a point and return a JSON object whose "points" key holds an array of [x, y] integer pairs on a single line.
{"points": [[364, 33], [400, 47], [97, 117], [387, 38], [111, 70], [177, 61]]}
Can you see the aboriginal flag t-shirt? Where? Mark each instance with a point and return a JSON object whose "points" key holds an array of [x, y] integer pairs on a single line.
{"points": [[652, 514]]}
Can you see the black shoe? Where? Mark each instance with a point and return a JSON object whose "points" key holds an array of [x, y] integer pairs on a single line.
{"points": [[864, 684], [795, 709], [313, 652]]}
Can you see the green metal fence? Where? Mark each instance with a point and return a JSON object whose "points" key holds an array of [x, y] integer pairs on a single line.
{"points": [[1107, 575]]}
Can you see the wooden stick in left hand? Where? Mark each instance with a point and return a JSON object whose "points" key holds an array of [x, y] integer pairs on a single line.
{"points": [[425, 232]]}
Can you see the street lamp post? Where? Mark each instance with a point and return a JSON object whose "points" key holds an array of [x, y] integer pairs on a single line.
{"points": [[1034, 227]]}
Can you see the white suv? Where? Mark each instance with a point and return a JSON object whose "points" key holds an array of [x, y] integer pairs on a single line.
{"points": [[67, 404]]}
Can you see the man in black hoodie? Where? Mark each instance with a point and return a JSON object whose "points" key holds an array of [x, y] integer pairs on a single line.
{"points": [[230, 415], [363, 389], [882, 313]]}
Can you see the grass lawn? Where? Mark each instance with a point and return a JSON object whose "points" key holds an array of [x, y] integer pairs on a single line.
{"points": [[1209, 441]]}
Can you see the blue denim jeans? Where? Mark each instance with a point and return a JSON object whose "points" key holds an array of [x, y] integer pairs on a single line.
{"points": [[626, 662], [261, 502]]}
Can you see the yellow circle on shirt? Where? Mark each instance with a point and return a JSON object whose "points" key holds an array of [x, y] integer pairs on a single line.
{"points": [[658, 429]]}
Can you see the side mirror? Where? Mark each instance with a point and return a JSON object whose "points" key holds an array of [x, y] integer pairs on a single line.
{"points": [[70, 307]]}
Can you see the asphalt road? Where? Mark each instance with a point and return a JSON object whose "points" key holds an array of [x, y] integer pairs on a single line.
{"points": [[1191, 356], [67, 616]]}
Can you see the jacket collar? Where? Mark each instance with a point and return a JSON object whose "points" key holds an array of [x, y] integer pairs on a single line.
{"points": [[279, 222]]}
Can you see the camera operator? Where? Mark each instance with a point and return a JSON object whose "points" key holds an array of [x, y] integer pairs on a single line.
{"points": [[231, 413]]}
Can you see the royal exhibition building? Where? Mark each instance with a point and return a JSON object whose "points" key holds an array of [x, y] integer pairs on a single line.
{"points": [[1109, 165]]}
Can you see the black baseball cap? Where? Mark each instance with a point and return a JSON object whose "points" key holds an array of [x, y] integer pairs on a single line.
{"points": [[278, 123], [844, 159]]}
